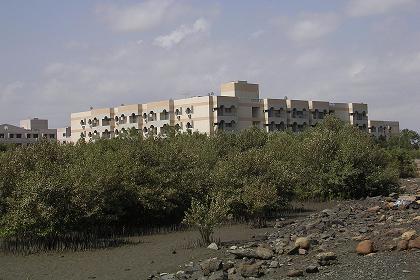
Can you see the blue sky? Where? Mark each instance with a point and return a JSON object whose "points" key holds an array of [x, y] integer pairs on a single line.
{"points": [[59, 57]]}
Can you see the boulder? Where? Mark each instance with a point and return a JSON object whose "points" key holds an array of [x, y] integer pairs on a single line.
{"points": [[292, 250], [213, 246], [415, 243], [167, 276], [218, 275], [260, 252], [302, 252], [408, 235], [274, 264], [402, 245], [211, 265], [250, 270], [295, 273], [312, 269], [326, 258], [374, 209], [365, 247], [303, 243]]}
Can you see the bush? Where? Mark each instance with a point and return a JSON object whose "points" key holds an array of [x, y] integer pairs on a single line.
{"points": [[48, 189], [207, 214]]}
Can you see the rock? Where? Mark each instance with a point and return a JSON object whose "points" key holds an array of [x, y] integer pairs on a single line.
{"points": [[374, 209], [211, 265], [382, 218], [303, 243], [302, 252], [365, 247], [218, 275], [402, 245], [363, 230], [327, 212], [260, 252], [408, 235], [326, 258], [250, 270], [415, 243], [312, 269], [358, 238], [228, 265], [295, 273], [293, 250], [393, 195], [213, 246], [167, 276], [274, 264], [392, 205]]}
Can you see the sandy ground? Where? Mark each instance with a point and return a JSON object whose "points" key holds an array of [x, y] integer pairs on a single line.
{"points": [[155, 253]]}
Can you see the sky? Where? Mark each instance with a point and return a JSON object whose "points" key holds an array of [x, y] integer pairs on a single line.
{"points": [[59, 57]]}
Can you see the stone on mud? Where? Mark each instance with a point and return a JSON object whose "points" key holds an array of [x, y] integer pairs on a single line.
{"points": [[365, 247]]}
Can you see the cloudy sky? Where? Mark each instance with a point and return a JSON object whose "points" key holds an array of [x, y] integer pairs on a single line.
{"points": [[58, 57]]}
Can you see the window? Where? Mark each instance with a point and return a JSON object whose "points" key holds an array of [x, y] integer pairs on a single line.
{"points": [[2, 135], [11, 136], [255, 112], [28, 136], [36, 136], [52, 136], [133, 118], [19, 135]]}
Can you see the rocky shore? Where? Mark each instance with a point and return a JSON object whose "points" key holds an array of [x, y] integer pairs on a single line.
{"points": [[374, 238]]}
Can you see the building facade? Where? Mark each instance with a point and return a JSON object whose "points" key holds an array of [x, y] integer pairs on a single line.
{"points": [[237, 107], [64, 135], [29, 131], [383, 129]]}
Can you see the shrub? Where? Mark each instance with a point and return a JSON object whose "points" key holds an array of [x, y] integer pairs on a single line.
{"points": [[207, 214]]}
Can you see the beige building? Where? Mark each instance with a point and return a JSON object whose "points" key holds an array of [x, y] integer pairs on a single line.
{"points": [[383, 129], [64, 135], [28, 132], [237, 107]]}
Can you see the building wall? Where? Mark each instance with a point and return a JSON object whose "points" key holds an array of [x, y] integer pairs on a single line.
{"points": [[64, 135], [238, 107], [11, 134], [384, 129]]}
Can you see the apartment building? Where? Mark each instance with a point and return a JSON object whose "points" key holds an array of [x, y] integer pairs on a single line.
{"points": [[383, 129], [64, 135], [237, 107], [29, 131]]}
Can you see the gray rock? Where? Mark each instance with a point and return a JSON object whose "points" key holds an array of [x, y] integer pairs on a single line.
{"points": [[262, 253], [312, 269], [250, 270], [218, 275], [213, 246], [326, 258], [274, 264], [295, 273], [211, 265]]}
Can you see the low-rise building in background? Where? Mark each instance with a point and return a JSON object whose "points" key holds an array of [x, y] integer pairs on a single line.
{"points": [[29, 131]]}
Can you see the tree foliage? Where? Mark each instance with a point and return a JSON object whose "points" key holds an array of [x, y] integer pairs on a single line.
{"points": [[48, 189]]}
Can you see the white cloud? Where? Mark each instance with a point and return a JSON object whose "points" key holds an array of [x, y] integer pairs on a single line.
{"points": [[313, 26], [357, 69], [359, 8], [137, 17], [181, 33], [311, 58], [10, 90]]}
